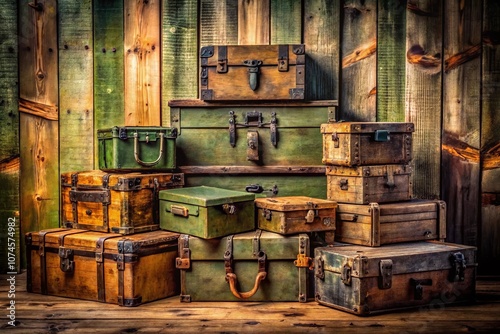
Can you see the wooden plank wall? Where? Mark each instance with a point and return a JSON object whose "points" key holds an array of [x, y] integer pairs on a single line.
{"points": [[92, 64]]}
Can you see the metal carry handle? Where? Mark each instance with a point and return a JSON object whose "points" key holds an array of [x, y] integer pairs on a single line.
{"points": [[136, 151], [178, 210]]}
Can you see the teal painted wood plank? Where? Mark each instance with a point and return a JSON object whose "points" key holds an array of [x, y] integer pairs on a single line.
{"points": [[76, 118], [322, 40], [108, 66], [286, 21], [179, 53], [218, 22], [391, 42]]}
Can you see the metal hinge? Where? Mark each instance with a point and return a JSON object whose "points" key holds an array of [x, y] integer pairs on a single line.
{"points": [[385, 281], [458, 265]]}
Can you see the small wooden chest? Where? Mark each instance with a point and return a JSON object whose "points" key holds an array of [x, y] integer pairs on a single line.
{"points": [[377, 224], [103, 267], [369, 280], [252, 72], [252, 266], [295, 214], [137, 148], [367, 143], [206, 212], [366, 184], [122, 203]]}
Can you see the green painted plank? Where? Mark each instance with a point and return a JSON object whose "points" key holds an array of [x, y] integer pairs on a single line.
{"points": [[76, 118], [391, 40], [358, 51], [218, 22], [179, 53], [108, 66], [322, 39], [286, 21]]}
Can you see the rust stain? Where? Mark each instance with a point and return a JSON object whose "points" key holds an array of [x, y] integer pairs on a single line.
{"points": [[39, 109], [416, 55], [462, 57], [412, 7], [363, 52], [10, 165], [466, 153]]}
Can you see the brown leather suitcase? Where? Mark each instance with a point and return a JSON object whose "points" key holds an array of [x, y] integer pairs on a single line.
{"points": [[105, 267], [366, 184], [122, 203], [252, 72]]}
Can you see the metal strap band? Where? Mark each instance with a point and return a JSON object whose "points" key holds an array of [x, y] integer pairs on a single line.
{"points": [[99, 252], [256, 243], [228, 255], [41, 253]]}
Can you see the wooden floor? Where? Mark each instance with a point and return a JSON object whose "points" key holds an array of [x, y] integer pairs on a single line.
{"points": [[35, 313]]}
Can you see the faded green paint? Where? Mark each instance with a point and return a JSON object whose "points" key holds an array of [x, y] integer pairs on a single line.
{"points": [[286, 22], [108, 66], [391, 42], [75, 86], [218, 22]]}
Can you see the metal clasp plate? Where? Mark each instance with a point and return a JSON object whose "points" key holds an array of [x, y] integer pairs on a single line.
{"points": [[385, 274]]}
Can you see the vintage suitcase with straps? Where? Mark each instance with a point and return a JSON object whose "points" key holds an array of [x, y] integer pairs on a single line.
{"points": [[105, 267], [252, 72], [369, 280], [251, 266], [122, 203]]}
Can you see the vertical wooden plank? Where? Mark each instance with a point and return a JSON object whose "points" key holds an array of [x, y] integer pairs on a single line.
{"points": [[9, 132], [391, 61], [76, 120], [108, 66], [358, 51], [218, 22], [460, 168], [39, 136], [253, 22], [286, 22], [423, 93], [490, 140], [142, 63], [322, 40]]}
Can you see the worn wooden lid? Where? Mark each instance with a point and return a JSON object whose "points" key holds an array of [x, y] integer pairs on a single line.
{"points": [[294, 203]]}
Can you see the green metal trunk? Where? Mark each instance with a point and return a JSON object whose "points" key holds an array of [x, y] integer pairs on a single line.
{"points": [[258, 262], [206, 212], [137, 148]]}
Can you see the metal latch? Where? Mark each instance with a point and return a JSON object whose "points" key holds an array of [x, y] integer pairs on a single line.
{"points": [[303, 261], [253, 72], [253, 119], [346, 276], [283, 58], [184, 259], [67, 264], [319, 266], [344, 184], [311, 214], [267, 214], [229, 209], [385, 274], [382, 135], [253, 145], [418, 291], [335, 139], [458, 265], [257, 189]]}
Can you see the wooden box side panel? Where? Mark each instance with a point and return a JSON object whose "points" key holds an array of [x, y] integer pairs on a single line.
{"points": [[410, 230], [355, 232]]}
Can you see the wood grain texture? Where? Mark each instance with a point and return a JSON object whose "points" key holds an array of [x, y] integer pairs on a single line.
{"points": [[179, 53], [253, 22], [321, 35], [286, 22], [358, 51], [76, 102], [218, 22], [391, 40], [142, 63], [423, 93]]}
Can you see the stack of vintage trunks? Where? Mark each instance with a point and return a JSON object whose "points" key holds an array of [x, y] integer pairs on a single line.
{"points": [[231, 203]]}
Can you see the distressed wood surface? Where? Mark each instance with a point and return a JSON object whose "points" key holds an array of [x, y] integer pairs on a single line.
{"points": [[423, 93], [108, 66], [391, 39], [490, 139], [253, 22], [358, 51], [218, 22], [286, 22], [180, 53], [321, 32], [142, 63], [460, 170], [76, 119]]}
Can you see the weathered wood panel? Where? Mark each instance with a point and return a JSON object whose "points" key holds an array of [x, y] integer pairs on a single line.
{"points": [[253, 22], [76, 119], [218, 22], [423, 93], [180, 53], [286, 22], [391, 62], [490, 140], [461, 119], [142, 63], [39, 136], [322, 39], [108, 66], [358, 51]]}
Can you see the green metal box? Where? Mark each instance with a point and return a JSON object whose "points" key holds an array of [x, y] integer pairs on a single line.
{"points": [[252, 266], [137, 148], [206, 212]]}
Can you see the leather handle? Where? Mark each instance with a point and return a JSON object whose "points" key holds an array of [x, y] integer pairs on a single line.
{"points": [[231, 277], [136, 151]]}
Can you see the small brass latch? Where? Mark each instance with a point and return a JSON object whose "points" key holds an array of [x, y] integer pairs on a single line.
{"points": [[303, 261]]}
